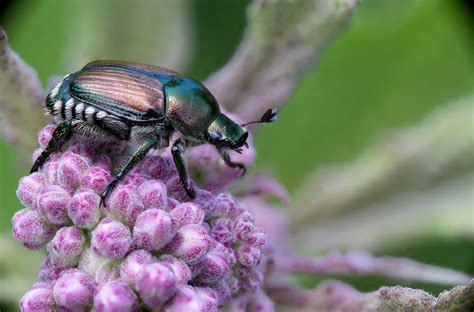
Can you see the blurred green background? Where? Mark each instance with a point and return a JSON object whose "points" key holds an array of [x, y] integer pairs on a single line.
{"points": [[396, 62]]}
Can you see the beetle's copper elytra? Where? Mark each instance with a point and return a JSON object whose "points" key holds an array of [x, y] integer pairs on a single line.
{"points": [[144, 104]]}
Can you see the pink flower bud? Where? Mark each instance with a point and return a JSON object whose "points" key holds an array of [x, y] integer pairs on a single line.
{"points": [[253, 282], [206, 201], [30, 229], [71, 168], [53, 201], [154, 194], [190, 243], [111, 239], [28, 189], [45, 135], [124, 204], [153, 229], [249, 256], [258, 239], [103, 161], [242, 229], [187, 213], [176, 190], [226, 206], [209, 298], [213, 266], [68, 242], [155, 283], [134, 262], [185, 299], [221, 232], [38, 300], [181, 270], [96, 178], [115, 296], [223, 292], [49, 273], [156, 167], [172, 203], [107, 272], [84, 210], [73, 291], [135, 177]]}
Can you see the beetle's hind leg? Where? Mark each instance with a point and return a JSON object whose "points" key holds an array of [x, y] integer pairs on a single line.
{"points": [[60, 136], [225, 156], [136, 157], [176, 150]]}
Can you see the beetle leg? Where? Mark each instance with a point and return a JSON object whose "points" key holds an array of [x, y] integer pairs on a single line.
{"points": [[231, 163], [136, 157], [61, 135], [176, 150]]}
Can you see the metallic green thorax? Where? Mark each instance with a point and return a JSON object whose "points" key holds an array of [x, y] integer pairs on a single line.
{"points": [[193, 110]]}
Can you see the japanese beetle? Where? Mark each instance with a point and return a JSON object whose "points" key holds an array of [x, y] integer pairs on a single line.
{"points": [[143, 104]]}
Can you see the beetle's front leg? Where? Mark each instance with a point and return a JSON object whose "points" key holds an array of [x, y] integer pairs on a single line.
{"points": [[61, 135], [176, 151], [136, 157], [231, 163]]}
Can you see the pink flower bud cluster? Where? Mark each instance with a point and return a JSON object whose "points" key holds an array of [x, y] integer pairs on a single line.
{"points": [[150, 247]]}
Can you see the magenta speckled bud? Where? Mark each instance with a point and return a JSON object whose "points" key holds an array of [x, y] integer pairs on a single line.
{"points": [[156, 167], [73, 291], [154, 194], [68, 242], [221, 231], [135, 177], [45, 135], [96, 178], [206, 201], [49, 273], [213, 266], [155, 283], [84, 209], [103, 161], [50, 170], [190, 243], [227, 206], [153, 229], [115, 296], [107, 272], [242, 228], [223, 292], [111, 239], [175, 188], [38, 299], [89, 261], [249, 256], [124, 204], [28, 188], [30, 229], [209, 299], [253, 281], [185, 299], [134, 262], [187, 213], [258, 239], [181, 270], [71, 168], [53, 201]]}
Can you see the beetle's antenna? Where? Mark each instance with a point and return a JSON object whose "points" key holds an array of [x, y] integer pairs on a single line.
{"points": [[269, 116]]}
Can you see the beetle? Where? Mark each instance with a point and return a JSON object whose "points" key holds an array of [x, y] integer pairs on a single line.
{"points": [[145, 105]]}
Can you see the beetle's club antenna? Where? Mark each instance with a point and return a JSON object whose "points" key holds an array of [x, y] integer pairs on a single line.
{"points": [[269, 116]]}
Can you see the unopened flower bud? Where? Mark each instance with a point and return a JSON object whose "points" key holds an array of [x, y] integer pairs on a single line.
{"points": [[209, 298], [53, 201], [28, 189], [73, 291], [107, 272], [30, 229], [96, 178], [111, 239], [38, 299], [153, 229], [124, 204], [84, 210], [68, 242], [134, 262], [115, 296], [71, 168], [185, 299], [187, 213], [249, 256], [181, 270], [190, 243], [45, 135], [154, 194], [156, 284]]}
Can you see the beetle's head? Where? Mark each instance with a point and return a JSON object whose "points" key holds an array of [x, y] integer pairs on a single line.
{"points": [[226, 134]]}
